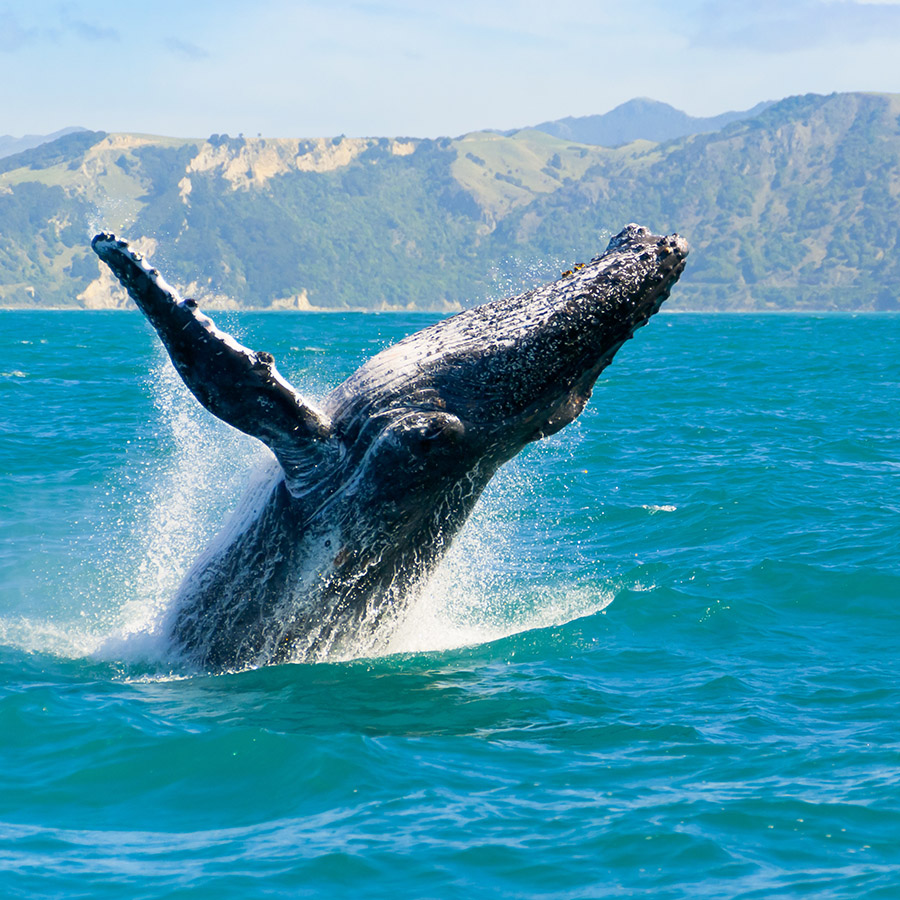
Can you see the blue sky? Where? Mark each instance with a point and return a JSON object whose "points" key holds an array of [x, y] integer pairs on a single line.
{"points": [[406, 67]]}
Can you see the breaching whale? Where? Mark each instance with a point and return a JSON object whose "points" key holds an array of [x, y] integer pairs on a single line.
{"points": [[372, 485]]}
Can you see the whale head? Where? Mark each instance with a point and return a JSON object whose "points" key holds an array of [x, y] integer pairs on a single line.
{"points": [[480, 385]]}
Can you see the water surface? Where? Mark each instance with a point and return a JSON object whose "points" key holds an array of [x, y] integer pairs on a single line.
{"points": [[662, 661]]}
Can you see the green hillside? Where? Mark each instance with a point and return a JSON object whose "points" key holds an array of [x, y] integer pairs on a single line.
{"points": [[796, 208], [793, 208]]}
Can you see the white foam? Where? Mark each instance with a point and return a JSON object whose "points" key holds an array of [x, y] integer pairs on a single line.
{"points": [[488, 587]]}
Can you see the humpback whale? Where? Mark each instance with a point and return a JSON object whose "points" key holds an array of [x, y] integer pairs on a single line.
{"points": [[371, 485]]}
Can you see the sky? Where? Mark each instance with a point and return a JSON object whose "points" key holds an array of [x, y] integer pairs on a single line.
{"points": [[192, 68]]}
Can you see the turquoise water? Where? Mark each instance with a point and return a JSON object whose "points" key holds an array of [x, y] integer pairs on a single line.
{"points": [[662, 662]]}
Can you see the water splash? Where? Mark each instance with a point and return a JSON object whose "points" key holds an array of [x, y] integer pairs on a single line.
{"points": [[478, 592], [181, 484], [202, 470]]}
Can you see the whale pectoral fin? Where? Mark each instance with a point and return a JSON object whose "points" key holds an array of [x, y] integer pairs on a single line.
{"points": [[238, 385]]}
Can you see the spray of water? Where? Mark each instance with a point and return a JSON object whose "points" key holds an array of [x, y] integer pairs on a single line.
{"points": [[196, 477], [488, 586]]}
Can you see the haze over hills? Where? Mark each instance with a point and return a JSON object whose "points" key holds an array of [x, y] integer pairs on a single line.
{"points": [[794, 207], [10, 145], [640, 119]]}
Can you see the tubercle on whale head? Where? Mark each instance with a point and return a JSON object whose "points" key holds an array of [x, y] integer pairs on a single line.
{"points": [[577, 324], [633, 285]]}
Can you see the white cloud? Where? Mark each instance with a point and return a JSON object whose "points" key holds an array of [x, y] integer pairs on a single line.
{"points": [[13, 35], [385, 67], [777, 26]]}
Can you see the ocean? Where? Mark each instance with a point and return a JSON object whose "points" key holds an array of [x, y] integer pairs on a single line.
{"points": [[661, 660]]}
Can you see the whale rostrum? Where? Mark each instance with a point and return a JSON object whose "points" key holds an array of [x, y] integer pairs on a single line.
{"points": [[372, 485]]}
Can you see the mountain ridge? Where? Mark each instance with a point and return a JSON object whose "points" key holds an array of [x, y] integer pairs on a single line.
{"points": [[10, 145], [793, 208], [641, 119]]}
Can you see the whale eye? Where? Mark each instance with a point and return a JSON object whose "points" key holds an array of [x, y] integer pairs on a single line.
{"points": [[420, 436], [427, 432], [432, 431], [441, 425]]}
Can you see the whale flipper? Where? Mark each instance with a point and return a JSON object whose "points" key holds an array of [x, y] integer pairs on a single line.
{"points": [[240, 386]]}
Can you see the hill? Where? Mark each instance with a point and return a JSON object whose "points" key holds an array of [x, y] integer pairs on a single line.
{"points": [[793, 208], [640, 119]]}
